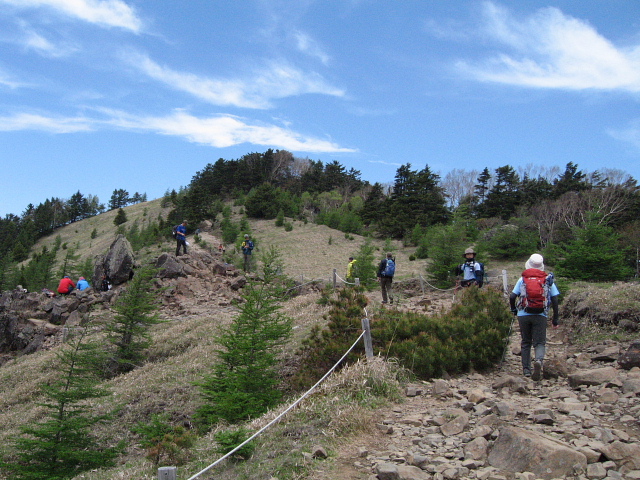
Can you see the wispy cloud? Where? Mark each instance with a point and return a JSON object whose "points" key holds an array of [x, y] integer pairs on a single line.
{"points": [[308, 46], [553, 50], [108, 13], [219, 131], [41, 45], [630, 135], [276, 80], [225, 131], [27, 121], [6, 81]]}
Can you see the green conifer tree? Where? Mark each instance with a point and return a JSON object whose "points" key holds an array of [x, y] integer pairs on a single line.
{"points": [[136, 310], [63, 445], [244, 383]]}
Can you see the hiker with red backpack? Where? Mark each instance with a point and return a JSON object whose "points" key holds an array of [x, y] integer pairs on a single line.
{"points": [[535, 291]]}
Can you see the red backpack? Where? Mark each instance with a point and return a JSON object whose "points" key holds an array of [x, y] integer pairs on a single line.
{"points": [[534, 292]]}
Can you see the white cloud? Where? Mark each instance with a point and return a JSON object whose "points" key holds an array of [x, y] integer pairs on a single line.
{"points": [[553, 50], [220, 131], [110, 13], [226, 131], [41, 45], [309, 46], [27, 121], [274, 81], [629, 135]]}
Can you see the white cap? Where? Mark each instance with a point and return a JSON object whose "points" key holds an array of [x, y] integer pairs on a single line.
{"points": [[535, 261]]}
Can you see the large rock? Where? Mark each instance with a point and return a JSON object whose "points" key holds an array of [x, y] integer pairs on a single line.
{"points": [[626, 454], [596, 376], [520, 450], [117, 264], [169, 267], [630, 358]]}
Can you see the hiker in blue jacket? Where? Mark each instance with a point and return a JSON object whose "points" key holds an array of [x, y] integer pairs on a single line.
{"points": [[386, 271], [471, 271], [181, 238], [82, 284]]}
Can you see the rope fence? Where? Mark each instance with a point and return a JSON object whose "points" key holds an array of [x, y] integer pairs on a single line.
{"points": [[169, 473]]}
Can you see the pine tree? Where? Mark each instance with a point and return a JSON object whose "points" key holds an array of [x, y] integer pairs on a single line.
{"points": [[121, 217], [243, 384], [136, 310], [63, 445]]}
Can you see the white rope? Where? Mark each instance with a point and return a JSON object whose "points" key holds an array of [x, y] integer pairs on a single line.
{"points": [[436, 288], [344, 281], [281, 415]]}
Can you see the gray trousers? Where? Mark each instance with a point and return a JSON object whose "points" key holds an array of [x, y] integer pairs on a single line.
{"points": [[533, 333], [385, 286]]}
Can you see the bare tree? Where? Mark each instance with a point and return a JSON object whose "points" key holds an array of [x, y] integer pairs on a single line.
{"points": [[458, 184]]}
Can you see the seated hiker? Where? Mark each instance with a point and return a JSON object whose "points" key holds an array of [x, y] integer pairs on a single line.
{"points": [[472, 272], [66, 286], [82, 284]]}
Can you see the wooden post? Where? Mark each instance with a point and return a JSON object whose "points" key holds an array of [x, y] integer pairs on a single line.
{"points": [[357, 282], [505, 286], [422, 284], [335, 278], [167, 473], [368, 344]]}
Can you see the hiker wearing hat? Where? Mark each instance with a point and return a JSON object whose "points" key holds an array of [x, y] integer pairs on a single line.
{"points": [[181, 238], [247, 250], [535, 291], [472, 272]]}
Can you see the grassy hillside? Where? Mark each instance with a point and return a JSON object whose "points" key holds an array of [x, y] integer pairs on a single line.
{"points": [[184, 349], [309, 251]]}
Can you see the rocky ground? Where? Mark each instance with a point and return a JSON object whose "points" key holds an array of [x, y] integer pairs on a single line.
{"points": [[581, 421]]}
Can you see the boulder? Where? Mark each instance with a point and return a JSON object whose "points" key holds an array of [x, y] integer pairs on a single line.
{"points": [[117, 264], [595, 376], [520, 450], [630, 358], [169, 267]]}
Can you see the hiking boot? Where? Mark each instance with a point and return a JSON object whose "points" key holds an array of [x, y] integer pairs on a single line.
{"points": [[537, 371]]}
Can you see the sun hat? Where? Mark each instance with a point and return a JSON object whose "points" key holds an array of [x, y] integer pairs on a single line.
{"points": [[246, 236], [469, 250], [535, 261]]}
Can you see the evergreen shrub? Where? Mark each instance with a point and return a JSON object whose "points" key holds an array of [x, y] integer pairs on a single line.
{"points": [[471, 336]]}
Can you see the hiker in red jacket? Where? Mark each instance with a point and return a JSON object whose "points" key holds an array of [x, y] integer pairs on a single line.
{"points": [[66, 286]]}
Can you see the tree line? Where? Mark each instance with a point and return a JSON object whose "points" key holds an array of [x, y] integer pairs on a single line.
{"points": [[18, 233], [506, 211]]}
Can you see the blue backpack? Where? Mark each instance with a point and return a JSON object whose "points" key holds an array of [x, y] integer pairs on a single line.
{"points": [[390, 268]]}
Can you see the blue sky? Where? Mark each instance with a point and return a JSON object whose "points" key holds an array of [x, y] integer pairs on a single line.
{"points": [[141, 94]]}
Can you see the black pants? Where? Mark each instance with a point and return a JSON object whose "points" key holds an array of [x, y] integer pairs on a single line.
{"points": [[183, 242]]}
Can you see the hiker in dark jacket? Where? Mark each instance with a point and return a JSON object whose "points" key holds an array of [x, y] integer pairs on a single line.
{"points": [[385, 277], [181, 238]]}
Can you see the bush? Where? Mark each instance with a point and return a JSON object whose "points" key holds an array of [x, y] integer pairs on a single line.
{"points": [[230, 439], [472, 335], [510, 242]]}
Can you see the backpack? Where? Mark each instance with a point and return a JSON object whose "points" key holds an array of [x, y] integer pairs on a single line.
{"points": [[480, 274], [174, 231], [534, 292], [389, 268]]}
